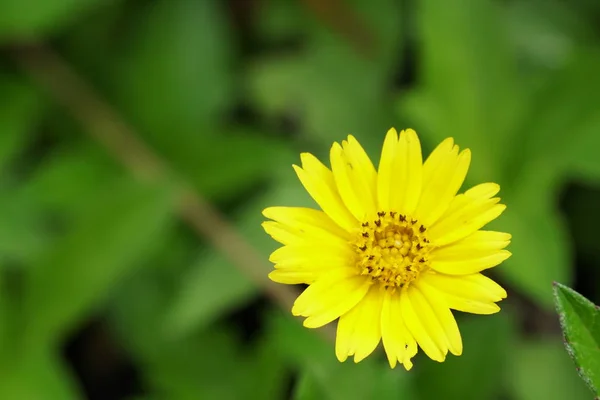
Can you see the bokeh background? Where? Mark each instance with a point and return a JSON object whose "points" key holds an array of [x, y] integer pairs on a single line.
{"points": [[140, 139]]}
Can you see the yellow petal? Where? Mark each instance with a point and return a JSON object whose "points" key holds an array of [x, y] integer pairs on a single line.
{"points": [[344, 182], [311, 299], [469, 265], [420, 323], [359, 330], [407, 173], [385, 175], [398, 343], [313, 222], [479, 243], [444, 316], [354, 176], [443, 174], [312, 254], [293, 276], [467, 213], [474, 293], [329, 297], [294, 272], [281, 233], [428, 318], [299, 236], [319, 183], [362, 173]]}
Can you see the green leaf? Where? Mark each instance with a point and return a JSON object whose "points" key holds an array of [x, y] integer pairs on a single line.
{"points": [[580, 322], [215, 366], [20, 111], [333, 89], [211, 363], [308, 388], [225, 166], [175, 83], [540, 369], [31, 19], [211, 288], [173, 77], [104, 245], [470, 86], [470, 376], [545, 36], [367, 380], [22, 233], [59, 189], [281, 19], [541, 246], [213, 285], [70, 178], [37, 375], [564, 103], [581, 155]]}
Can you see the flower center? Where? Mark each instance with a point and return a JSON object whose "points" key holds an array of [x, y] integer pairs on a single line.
{"points": [[392, 250]]}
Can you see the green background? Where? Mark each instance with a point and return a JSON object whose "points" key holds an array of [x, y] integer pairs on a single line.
{"points": [[112, 286]]}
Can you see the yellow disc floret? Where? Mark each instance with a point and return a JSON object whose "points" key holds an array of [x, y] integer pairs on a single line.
{"points": [[392, 250]]}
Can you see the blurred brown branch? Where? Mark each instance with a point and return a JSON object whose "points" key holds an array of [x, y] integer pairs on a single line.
{"points": [[343, 20], [105, 125]]}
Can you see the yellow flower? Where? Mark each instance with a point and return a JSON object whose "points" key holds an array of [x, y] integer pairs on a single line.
{"points": [[393, 250]]}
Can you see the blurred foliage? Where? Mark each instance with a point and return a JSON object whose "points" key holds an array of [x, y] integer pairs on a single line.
{"points": [[106, 294]]}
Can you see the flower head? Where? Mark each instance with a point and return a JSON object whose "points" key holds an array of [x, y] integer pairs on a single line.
{"points": [[393, 250]]}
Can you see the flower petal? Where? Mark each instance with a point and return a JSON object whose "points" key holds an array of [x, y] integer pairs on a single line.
{"points": [[294, 276], [443, 174], [385, 174], [313, 222], [470, 265], [478, 243], [306, 263], [422, 324], [282, 233], [398, 343], [407, 173], [354, 176], [319, 183], [330, 297], [313, 255], [474, 293], [363, 174], [359, 330], [286, 234], [444, 316], [467, 213]]}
